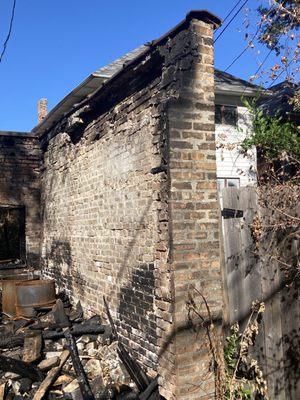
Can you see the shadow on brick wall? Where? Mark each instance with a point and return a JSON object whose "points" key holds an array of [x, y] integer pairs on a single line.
{"points": [[58, 265], [136, 308]]}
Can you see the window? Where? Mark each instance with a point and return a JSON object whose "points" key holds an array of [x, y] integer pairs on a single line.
{"points": [[228, 182], [226, 115], [12, 233]]}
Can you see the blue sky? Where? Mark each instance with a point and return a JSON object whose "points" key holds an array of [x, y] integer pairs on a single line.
{"points": [[56, 44]]}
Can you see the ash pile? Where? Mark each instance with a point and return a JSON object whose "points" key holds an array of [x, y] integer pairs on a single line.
{"points": [[55, 352]]}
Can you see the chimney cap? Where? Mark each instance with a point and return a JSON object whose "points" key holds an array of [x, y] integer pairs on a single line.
{"points": [[205, 16]]}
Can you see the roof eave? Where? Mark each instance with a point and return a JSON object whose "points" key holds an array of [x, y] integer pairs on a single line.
{"points": [[241, 91], [50, 117]]}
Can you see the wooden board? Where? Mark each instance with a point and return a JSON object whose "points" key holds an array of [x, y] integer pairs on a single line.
{"points": [[51, 377], [250, 275]]}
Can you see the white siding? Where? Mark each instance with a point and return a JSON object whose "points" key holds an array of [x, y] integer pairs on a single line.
{"points": [[230, 162]]}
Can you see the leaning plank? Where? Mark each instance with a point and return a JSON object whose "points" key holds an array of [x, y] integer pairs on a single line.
{"points": [[21, 368], [51, 377], [82, 380], [32, 347], [134, 370], [151, 389], [113, 328]]}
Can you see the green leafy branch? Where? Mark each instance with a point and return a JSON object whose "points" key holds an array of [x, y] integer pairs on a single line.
{"points": [[278, 139]]}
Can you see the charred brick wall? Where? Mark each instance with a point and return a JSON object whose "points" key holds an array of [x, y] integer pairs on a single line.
{"points": [[19, 184], [102, 214], [129, 205]]}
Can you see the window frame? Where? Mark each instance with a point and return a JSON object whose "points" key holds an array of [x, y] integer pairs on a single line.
{"points": [[226, 179], [223, 121]]}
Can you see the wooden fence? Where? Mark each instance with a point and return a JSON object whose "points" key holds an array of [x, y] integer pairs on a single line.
{"points": [[251, 275]]}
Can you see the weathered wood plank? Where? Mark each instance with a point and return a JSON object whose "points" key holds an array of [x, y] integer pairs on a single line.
{"points": [[232, 248], [291, 341], [32, 347], [51, 377], [250, 278]]}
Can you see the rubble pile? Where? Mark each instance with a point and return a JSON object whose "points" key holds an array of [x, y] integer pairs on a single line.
{"points": [[60, 354]]}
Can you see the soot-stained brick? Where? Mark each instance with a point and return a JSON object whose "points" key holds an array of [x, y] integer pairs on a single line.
{"points": [[136, 307]]}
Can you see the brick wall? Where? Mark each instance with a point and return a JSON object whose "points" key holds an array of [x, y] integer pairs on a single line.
{"points": [[19, 184], [130, 210], [102, 216], [195, 257]]}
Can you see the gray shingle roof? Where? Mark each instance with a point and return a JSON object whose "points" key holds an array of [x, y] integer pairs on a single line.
{"points": [[223, 80], [224, 83], [280, 102], [109, 70]]}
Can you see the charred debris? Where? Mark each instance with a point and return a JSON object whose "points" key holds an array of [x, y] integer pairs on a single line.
{"points": [[58, 353]]}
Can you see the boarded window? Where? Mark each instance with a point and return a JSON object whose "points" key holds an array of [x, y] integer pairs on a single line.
{"points": [[226, 115], [12, 233]]}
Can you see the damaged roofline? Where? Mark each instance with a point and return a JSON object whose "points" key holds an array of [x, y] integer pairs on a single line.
{"points": [[64, 101], [202, 15], [27, 135]]}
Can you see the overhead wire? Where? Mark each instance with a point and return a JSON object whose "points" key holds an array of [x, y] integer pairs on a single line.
{"points": [[244, 50], [230, 21], [248, 45], [9, 30], [266, 57], [230, 12]]}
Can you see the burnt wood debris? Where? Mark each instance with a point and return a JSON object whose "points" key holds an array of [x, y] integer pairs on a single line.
{"points": [[61, 354]]}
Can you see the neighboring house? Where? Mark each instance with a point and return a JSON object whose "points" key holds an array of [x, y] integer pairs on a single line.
{"points": [[280, 101], [233, 124]]}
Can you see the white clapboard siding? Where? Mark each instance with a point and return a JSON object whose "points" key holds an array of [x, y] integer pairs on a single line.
{"points": [[230, 162]]}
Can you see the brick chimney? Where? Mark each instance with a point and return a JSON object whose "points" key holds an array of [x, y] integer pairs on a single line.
{"points": [[42, 109]]}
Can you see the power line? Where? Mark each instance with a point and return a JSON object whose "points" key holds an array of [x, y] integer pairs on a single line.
{"points": [[230, 12], [237, 57], [9, 30], [266, 57], [260, 67], [262, 63], [244, 50], [227, 25], [248, 45]]}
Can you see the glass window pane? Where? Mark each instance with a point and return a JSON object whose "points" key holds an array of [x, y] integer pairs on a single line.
{"points": [[230, 115], [218, 114], [233, 182]]}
